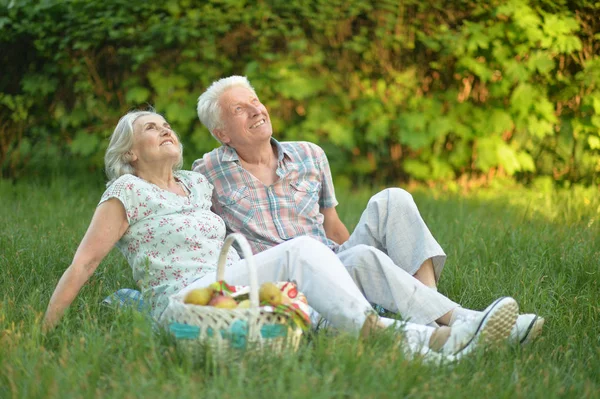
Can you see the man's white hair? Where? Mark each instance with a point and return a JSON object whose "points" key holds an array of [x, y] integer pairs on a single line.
{"points": [[117, 161], [209, 109]]}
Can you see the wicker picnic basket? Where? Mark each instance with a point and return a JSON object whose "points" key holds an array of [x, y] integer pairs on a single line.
{"points": [[255, 327]]}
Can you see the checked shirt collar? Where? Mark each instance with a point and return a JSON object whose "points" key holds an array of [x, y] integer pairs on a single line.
{"points": [[230, 155]]}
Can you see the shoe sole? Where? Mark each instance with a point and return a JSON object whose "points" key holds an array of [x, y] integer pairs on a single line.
{"points": [[496, 325], [533, 330]]}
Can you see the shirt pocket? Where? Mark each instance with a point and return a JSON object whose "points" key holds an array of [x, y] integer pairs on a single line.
{"points": [[306, 197], [237, 207]]}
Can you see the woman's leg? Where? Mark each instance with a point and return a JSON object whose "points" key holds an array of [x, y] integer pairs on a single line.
{"points": [[330, 290], [318, 273]]}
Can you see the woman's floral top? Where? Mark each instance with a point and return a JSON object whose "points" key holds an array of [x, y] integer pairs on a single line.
{"points": [[171, 240]]}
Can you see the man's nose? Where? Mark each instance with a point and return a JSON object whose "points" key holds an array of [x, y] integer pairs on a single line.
{"points": [[254, 110]]}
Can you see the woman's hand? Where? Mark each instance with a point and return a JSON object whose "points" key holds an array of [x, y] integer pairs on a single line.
{"points": [[108, 225]]}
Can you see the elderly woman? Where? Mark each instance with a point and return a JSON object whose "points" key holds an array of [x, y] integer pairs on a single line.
{"points": [[160, 218]]}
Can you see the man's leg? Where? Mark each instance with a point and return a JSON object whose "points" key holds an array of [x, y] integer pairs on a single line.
{"points": [[318, 273], [387, 285], [426, 274], [332, 292], [392, 223]]}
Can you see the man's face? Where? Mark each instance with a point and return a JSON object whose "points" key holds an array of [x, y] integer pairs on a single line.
{"points": [[245, 120]]}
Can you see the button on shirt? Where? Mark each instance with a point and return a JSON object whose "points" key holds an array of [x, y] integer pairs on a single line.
{"points": [[270, 215]]}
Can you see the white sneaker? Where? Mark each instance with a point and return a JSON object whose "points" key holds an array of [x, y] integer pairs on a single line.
{"points": [[492, 326], [414, 350], [527, 328]]}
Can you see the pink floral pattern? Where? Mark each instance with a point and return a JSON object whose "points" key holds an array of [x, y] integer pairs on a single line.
{"points": [[171, 240]]}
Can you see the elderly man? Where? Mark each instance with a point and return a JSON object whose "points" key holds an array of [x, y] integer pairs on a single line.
{"points": [[272, 192]]}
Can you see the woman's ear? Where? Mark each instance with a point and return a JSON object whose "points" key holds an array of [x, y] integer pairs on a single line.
{"points": [[130, 156]]}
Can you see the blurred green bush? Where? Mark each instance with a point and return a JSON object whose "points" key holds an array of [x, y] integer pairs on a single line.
{"points": [[390, 89]]}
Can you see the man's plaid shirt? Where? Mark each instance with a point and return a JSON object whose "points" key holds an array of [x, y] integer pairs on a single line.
{"points": [[270, 215]]}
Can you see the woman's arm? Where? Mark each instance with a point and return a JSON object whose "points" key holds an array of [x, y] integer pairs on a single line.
{"points": [[108, 225]]}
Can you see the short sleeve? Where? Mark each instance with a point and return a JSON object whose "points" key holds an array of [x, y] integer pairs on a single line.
{"points": [[124, 189], [196, 178], [327, 198]]}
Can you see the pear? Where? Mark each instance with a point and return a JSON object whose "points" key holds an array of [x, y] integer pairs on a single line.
{"points": [[199, 296], [245, 304], [223, 302], [270, 293], [215, 286]]}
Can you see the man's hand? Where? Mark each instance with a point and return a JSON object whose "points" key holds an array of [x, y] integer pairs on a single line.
{"points": [[334, 227]]}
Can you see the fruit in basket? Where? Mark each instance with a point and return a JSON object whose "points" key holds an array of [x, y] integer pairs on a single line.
{"points": [[270, 293], [199, 296], [245, 304], [223, 302]]}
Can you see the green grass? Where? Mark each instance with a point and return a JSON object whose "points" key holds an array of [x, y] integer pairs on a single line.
{"points": [[543, 248]]}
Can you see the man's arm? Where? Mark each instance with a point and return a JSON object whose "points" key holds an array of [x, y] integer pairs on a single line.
{"points": [[334, 227]]}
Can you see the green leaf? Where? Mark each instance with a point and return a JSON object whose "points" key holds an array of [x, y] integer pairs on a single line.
{"points": [[417, 169], [545, 109], [378, 129], [84, 144], [516, 72], [500, 122], [478, 68], [521, 99], [137, 95], [441, 170], [176, 113], [594, 142], [525, 161], [339, 134], [596, 104], [25, 146], [508, 158], [567, 44], [440, 126], [539, 127], [460, 155], [540, 62], [297, 86], [487, 153]]}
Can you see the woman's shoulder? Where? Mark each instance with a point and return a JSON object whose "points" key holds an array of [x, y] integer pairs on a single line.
{"points": [[126, 182], [191, 176]]}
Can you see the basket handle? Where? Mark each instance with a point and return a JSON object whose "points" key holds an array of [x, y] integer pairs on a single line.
{"points": [[248, 257]]}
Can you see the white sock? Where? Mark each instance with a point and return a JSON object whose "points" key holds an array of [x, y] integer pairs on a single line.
{"points": [[460, 313], [416, 333]]}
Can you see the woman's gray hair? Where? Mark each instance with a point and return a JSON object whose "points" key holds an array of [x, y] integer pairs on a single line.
{"points": [[117, 160], [209, 110]]}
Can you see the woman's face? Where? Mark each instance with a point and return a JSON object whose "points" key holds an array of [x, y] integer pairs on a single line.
{"points": [[154, 141]]}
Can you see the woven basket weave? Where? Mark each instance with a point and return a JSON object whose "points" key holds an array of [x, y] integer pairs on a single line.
{"points": [[226, 329]]}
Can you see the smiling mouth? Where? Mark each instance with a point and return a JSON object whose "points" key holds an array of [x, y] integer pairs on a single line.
{"points": [[257, 124], [167, 142]]}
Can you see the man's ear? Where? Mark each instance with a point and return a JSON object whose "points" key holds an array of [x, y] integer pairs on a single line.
{"points": [[221, 136]]}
